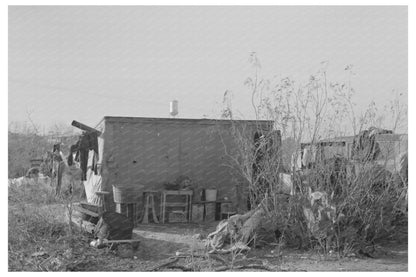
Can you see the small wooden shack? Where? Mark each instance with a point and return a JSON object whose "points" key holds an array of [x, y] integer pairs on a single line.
{"points": [[150, 152]]}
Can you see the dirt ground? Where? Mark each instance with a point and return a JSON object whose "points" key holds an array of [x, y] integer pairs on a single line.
{"points": [[390, 258], [152, 252], [159, 242], [183, 244]]}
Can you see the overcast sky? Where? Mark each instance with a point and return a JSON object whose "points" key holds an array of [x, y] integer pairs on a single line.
{"points": [[84, 63]]}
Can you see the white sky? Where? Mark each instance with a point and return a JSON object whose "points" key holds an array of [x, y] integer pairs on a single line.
{"points": [[84, 62]]}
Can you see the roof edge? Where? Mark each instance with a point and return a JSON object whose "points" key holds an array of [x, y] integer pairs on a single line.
{"points": [[122, 119]]}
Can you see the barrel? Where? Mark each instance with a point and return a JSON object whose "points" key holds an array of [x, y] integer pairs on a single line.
{"points": [[127, 194]]}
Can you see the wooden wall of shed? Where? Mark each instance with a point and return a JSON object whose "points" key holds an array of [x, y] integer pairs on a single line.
{"points": [[152, 154]]}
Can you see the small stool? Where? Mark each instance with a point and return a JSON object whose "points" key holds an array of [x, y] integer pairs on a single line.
{"points": [[149, 203]]}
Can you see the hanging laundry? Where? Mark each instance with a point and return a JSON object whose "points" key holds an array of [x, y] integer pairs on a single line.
{"points": [[86, 142], [92, 161], [73, 149]]}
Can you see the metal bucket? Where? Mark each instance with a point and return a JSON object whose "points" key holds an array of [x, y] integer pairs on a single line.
{"points": [[127, 194]]}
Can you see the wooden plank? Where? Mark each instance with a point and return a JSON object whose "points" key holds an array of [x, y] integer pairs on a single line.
{"points": [[85, 127], [86, 205], [171, 204], [216, 201], [178, 192], [85, 211], [120, 241]]}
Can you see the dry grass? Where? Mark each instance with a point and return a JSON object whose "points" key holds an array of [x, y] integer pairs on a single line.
{"points": [[37, 228], [39, 238], [368, 208]]}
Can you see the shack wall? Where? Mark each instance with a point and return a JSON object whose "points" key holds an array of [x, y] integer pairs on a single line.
{"points": [[152, 153]]}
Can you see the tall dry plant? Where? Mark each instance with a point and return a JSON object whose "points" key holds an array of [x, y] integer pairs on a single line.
{"points": [[362, 203]]}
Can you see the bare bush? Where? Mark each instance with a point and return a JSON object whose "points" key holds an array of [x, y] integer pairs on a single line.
{"points": [[331, 204]]}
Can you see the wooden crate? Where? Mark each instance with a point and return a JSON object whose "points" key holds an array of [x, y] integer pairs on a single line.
{"points": [[210, 212], [198, 212]]}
